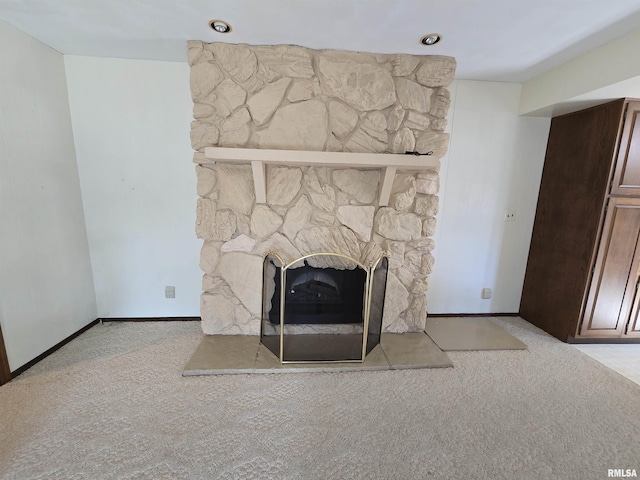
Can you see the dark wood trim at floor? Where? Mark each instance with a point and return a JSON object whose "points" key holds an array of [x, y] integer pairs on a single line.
{"points": [[614, 340], [440, 315], [150, 319], [57, 346], [5, 371]]}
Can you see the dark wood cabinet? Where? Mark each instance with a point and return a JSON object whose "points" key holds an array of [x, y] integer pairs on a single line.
{"points": [[582, 275], [626, 180], [615, 279]]}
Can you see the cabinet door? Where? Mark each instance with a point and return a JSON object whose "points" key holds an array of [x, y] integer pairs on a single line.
{"points": [[626, 179], [633, 326], [613, 286]]}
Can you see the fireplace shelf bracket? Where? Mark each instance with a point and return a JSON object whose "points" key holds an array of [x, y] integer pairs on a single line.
{"points": [[389, 163]]}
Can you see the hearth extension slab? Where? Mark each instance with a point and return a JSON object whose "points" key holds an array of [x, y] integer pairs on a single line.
{"points": [[242, 354]]}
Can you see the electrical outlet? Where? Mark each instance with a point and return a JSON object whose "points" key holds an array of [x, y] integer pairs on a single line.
{"points": [[169, 292], [486, 293], [510, 216]]}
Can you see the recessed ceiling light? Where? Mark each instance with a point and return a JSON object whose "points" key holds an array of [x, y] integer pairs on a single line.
{"points": [[220, 26], [431, 39]]}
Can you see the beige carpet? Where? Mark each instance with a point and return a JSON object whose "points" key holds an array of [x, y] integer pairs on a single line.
{"points": [[453, 334], [112, 404]]}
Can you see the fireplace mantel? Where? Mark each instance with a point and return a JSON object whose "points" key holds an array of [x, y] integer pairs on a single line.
{"points": [[388, 162]]}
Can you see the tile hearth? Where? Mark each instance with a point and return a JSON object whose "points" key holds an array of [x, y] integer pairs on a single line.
{"points": [[241, 354]]}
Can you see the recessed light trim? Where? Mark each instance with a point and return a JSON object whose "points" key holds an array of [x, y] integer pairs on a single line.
{"points": [[431, 39], [220, 26]]}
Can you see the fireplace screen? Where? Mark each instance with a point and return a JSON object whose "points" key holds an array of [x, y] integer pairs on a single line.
{"points": [[322, 307]]}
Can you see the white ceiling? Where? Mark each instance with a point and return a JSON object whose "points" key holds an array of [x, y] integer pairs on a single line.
{"points": [[499, 40]]}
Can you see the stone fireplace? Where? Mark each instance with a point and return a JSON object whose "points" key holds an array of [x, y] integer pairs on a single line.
{"points": [[292, 98]]}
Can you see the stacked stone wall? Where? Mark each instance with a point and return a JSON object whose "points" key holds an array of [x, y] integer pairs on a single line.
{"points": [[292, 98]]}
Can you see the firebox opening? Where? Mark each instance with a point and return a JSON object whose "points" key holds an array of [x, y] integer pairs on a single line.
{"points": [[313, 312], [320, 296]]}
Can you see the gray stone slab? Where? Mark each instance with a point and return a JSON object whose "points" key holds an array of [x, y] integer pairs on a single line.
{"points": [[476, 333], [224, 354], [413, 350], [237, 354], [267, 362]]}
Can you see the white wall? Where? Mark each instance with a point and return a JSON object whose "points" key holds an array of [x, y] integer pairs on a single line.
{"points": [[494, 163], [613, 63], [46, 287], [131, 126]]}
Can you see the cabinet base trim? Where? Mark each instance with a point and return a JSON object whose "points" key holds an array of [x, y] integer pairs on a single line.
{"points": [[571, 339]]}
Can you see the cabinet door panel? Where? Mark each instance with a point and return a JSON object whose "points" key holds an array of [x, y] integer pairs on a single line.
{"points": [[626, 180], [633, 327], [612, 290]]}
